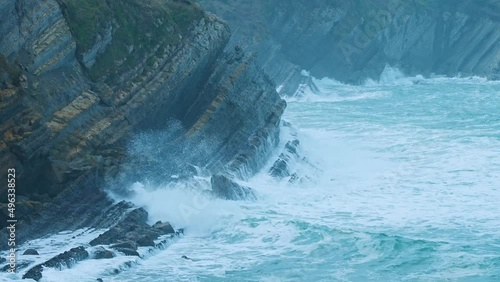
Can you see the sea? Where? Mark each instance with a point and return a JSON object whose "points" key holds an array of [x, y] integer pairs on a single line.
{"points": [[399, 181]]}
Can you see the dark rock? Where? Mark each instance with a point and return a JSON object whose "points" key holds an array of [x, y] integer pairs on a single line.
{"points": [[128, 252], [134, 220], [102, 253], [185, 257], [288, 161], [99, 280], [227, 189], [2, 259], [164, 227], [281, 167], [66, 259], [31, 252], [145, 241], [127, 245]]}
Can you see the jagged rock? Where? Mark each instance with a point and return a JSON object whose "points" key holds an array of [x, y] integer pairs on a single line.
{"points": [[164, 227], [132, 231], [280, 169], [126, 245], [66, 259], [102, 253], [288, 163], [225, 188], [128, 252], [146, 240], [30, 252], [130, 224], [2, 259]]}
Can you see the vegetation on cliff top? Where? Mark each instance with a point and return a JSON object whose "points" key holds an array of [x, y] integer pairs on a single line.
{"points": [[137, 27]]}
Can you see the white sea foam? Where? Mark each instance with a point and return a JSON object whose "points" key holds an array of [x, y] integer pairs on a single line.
{"points": [[408, 190]]}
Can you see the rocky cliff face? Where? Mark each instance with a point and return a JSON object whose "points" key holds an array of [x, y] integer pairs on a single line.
{"points": [[354, 40], [79, 79]]}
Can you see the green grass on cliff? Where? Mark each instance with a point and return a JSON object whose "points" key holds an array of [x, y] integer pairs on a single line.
{"points": [[137, 27]]}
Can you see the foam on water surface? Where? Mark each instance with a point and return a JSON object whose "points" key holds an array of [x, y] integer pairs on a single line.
{"points": [[408, 191]]}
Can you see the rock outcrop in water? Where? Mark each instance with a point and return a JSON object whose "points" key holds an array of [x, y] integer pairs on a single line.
{"points": [[227, 189], [79, 79], [66, 259], [354, 40]]}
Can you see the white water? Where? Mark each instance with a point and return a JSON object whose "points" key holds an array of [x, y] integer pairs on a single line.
{"points": [[409, 191]]}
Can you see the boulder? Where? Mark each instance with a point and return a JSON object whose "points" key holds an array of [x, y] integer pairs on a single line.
{"points": [[127, 245], [164, 227], [102, 253], [30, 252]]}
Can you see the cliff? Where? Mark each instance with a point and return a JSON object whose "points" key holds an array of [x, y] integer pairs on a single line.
{"points": [[354, 40], [79, 79]]}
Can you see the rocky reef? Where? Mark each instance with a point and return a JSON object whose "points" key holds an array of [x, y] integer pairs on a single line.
{"points": [[354, 40], [78, 80]]}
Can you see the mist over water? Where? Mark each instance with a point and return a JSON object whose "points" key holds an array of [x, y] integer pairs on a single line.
{"points": [[407, 190]]}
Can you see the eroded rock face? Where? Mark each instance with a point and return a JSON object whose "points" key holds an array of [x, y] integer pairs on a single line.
{"points": [[227, 189], [66, 119], [131, 231], [281, 167], [352, 41]]}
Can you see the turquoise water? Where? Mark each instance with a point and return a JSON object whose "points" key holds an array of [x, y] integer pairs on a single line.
{"points": [[408, 190]]}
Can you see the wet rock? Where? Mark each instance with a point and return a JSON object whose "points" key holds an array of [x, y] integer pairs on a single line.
{"points": [[131, 224], [128, 252], [164, 227], [225, 188], [30, 252], [102, 253], [289, 162], [126, 245], [146, 240], [281, 167], [2, 259], [99, 280], [132, 231], [66, 259]]}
